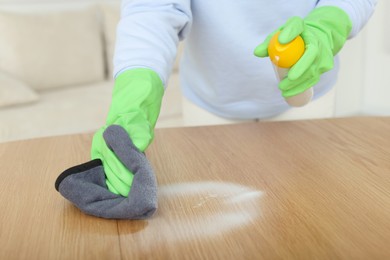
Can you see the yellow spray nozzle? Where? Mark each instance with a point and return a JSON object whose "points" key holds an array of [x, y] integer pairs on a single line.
{"points": [[285, 55]]}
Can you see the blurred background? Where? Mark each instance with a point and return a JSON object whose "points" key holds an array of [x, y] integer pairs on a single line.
{"points": [[56, 67]]}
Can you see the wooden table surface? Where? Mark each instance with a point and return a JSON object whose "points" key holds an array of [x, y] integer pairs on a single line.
{"points": [[274, 190]]}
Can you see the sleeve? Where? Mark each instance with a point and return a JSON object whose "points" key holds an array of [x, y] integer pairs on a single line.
{"points": [[359, 11], [148, 34]]}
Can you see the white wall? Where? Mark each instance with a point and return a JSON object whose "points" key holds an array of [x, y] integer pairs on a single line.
{"points": [[363, 87]]}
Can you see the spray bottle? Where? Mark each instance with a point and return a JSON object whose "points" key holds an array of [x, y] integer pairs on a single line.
{"points": [[283, 57]]}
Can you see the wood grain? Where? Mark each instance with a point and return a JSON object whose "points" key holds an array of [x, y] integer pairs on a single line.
{"points": [[315, 189]]}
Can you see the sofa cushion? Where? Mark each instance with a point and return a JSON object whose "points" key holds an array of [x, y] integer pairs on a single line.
{"points": [[52, 47], [110, 18], [14, 92], [78, 109]]}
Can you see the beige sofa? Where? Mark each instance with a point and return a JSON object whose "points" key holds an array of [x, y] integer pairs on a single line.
{"points": [[56, 67]]}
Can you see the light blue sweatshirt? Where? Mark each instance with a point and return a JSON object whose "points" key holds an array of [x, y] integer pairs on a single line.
{"points": [[218, 71]]}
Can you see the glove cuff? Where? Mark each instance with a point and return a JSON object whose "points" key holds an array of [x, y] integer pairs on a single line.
{"points": [[335, 20], [136, 103]]}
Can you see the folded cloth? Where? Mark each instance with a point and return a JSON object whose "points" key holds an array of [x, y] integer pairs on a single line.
{"points": [[85, 185]]}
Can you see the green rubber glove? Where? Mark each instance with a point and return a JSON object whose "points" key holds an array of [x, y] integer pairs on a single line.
{"points": [[324, 32], [136, 103]]}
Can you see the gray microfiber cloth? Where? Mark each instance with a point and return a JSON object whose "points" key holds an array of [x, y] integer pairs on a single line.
{"points": [[85, 185]]}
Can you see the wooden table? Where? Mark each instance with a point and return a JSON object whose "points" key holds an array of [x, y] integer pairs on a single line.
{"points": [[274, 190]]}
